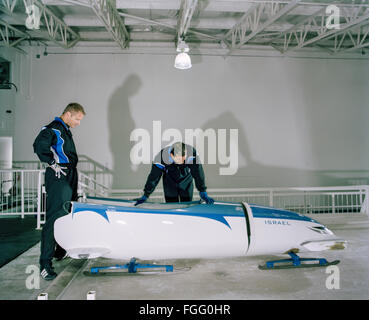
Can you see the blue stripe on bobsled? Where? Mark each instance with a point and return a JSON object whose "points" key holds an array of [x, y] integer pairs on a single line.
{"points": [[100, 211], [217, 211], [273, 213]]}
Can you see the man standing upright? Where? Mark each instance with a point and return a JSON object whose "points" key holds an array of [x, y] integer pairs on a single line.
{"points": [[54, 145]]}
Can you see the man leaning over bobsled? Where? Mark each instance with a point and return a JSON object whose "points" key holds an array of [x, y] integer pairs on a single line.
{"points": [[179, 165]]}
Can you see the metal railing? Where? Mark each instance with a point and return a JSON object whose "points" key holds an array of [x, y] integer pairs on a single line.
{"points": [[89, 186], [309, 200], [23, 193], [99, 174]]}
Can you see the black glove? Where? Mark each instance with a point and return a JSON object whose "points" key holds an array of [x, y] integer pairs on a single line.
{"points": [[141, 200], [204, 196]]}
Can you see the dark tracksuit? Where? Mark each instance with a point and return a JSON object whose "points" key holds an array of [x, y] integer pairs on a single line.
{"points": [[54, 144], [177, 178]]}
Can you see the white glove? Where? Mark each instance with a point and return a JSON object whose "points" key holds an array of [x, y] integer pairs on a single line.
{"points": [[58, 170]]}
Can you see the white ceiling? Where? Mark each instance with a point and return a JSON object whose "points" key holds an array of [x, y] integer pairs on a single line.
{"points": [[218, 27]]}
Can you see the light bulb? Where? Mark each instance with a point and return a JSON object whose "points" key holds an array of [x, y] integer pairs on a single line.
{"points": [[183, 61]]}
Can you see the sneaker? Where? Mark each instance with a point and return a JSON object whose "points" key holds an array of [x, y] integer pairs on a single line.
{"points": [[48, 273]]}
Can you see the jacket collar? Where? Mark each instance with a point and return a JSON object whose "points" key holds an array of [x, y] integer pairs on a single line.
{"points": [[62, 122]]}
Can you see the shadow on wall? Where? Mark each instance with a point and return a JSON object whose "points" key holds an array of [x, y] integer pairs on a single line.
{"points": [[251, 174], [121, 124]]}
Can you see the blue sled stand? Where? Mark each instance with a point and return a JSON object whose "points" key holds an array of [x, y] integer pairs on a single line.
{"points": [[296, 262], [132, 267]]}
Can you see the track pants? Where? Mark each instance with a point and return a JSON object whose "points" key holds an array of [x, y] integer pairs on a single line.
{"points": [[173, 193], [58, 191]]}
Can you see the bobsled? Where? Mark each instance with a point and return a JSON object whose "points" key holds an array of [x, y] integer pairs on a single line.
{"points": [[116, 229]]}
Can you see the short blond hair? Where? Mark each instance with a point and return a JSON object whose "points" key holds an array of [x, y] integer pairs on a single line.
{"points": [[74, 107]]}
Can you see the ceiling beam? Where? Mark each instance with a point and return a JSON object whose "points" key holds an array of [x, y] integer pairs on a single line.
{"points": [[306, 8], [299, 28], [56, 30], [83, 20], [185, 15], [349, 41], [250, 25], [301, 34], [8, 34], [9, 4], [109, 15], [167, 25]]}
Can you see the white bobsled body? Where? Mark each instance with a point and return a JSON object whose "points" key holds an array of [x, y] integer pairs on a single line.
{"points": [[117, 229]]}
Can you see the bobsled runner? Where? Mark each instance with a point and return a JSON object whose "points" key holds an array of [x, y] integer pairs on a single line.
{"points": [[116, 229]]}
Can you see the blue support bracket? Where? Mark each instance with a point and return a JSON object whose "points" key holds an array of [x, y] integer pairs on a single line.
{"points": [[132, 267], [296, 262]]}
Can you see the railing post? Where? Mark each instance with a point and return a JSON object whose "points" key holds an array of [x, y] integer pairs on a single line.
{"points": [[39, 195], [365, 204], [95, 177], [271, 198], [22, 193], [333, 204], [79, 188]]}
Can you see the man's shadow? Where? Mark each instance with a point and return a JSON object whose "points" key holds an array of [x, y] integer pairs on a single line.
{"points": [[251, 173], [121, 124]]}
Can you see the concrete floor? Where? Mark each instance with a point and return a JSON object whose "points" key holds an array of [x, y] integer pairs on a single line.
{"points": [[222, 279]]}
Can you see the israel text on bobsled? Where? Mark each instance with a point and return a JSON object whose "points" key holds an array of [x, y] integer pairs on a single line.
{"points": [[116, 229]]}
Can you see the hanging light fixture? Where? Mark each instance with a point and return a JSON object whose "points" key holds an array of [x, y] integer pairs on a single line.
{"points": [[183, 60]]}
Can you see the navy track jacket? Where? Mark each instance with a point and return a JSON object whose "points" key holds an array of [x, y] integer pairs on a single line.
{"points": [[175, 175], [54, 144]]}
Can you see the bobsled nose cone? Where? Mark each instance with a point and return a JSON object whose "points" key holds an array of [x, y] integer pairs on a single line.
{"points": [[329, 244]]}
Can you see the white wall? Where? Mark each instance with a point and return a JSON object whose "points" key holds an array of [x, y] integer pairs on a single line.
{"points": [[301, 122]]}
